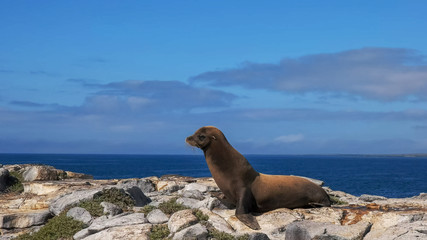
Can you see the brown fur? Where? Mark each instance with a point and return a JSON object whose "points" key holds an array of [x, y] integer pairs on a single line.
{"points": [[249, 190]]}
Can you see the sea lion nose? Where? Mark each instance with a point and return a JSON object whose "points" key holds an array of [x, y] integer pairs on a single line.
{"points": [[189, 139]]}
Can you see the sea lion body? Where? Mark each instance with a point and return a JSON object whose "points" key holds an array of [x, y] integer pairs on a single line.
{"points": [[249, 190]]}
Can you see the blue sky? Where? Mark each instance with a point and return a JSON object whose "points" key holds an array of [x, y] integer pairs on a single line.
{"points": [[277, 77]]}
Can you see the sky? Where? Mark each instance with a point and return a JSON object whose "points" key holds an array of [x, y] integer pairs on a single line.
{"points": [[277, 77]]}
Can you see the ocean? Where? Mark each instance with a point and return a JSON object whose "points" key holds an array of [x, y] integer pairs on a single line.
{"points": [[389, 176]]}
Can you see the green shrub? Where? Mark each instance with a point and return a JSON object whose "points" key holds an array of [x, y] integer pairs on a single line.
{"points": [[337, 201], [112, 195], [171, 206], [147, 209], [115, 196], [93, 207], [159, 232], [217, 235], [200, 216], [14, 182], [59, 227]]}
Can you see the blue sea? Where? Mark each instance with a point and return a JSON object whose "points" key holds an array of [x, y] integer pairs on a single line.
{"points": [[389, 176]]}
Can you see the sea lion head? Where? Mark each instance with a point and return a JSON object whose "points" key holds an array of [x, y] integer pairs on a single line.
{"points": [[204, 137]]}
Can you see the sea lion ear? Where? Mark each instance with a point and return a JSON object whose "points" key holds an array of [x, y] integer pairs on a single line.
{"points": [[213, 137]]}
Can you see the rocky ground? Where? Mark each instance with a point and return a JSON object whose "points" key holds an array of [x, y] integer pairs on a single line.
{"points": [[176, 207]]}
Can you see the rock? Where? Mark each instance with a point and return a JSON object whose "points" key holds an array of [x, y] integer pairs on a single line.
{"points": [[24, 219], [326, 215], [80, 214], [371, 198], [146, 185], [190, 202], [58, 205], [195, 194], [415, 230], [42, 173], [368, 216], [393, 224], [119, 220], [157, 217], [258, 236], [181, 219], [41, 188], [307, 230], [197, 231], [129, 232], [78, 175], [196, 186], [169, 186], [422, 196], [81, 234], [111, 209], [272, 223], [138, 196], [4, 175], [217, 222]]}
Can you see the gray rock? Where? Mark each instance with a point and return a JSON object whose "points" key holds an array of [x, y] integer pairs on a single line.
{"points": [[213, 202], [157, 217], [195, 194], [146, 185], [4, 175], [394, 225], [422, 196], [189, 202], [42, 173], [137, 195], [197, 231], [111, 209], [181, 219], [58, 205], [371, 198], [196, 186], [169, 186], [129, 232], [307, 230], [80, 214], [258, 236], [81, 234], [119, 220], [217, 222], [24, 220]]}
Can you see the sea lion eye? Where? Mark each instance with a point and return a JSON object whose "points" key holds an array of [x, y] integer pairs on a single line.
{"points": [[201, 137]]}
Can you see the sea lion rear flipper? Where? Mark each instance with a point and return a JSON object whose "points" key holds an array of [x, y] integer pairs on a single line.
{"points": [[317, 205], [244, 207]]}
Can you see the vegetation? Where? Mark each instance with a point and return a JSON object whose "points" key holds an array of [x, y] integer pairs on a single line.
{"points": [[112, 195], [171, 206], [200, 216], [337, 201], [14, 182], [93, 207], [115, 196], [215, 234], [59, 227], [147, 209], [159, 232]]}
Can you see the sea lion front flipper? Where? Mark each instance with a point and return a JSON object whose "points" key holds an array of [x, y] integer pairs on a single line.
{"points": [[244, 207], [249, 221]]}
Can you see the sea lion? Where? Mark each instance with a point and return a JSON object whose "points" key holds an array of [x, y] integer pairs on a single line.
{"points": [[248, 189]]}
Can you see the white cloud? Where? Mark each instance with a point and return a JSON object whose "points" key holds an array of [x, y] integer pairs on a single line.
{"points": [[292, 138], [384, 74]]}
